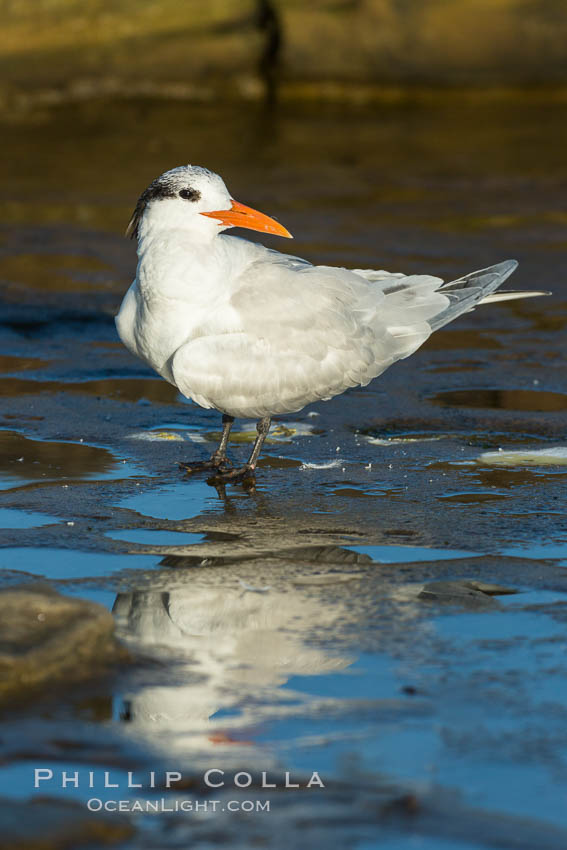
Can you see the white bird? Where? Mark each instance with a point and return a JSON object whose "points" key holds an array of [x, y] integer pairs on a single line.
{"points": [[250, 332]]}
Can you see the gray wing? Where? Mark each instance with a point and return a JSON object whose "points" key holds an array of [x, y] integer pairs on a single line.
{"points": [[303, 332], [347, 327], [312, 331]]}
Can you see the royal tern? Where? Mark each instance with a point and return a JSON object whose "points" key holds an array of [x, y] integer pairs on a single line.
{"points": [[250, 332]]}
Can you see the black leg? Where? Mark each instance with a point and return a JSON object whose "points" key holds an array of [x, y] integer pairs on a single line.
{"points": [[262, 428], [227, 423], [218, 459], [245, 473]]}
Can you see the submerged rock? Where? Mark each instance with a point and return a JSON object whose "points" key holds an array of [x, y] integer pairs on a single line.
{"points": [[467, 592], [47, 638]]}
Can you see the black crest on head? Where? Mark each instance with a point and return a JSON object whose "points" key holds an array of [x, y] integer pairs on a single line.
{"points": [[162, 187]]}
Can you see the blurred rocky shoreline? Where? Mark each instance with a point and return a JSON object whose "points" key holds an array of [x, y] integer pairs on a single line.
{"points": [[255, 49]]}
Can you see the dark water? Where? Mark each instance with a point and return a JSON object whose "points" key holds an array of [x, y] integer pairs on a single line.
{"points": [[288, 629]]}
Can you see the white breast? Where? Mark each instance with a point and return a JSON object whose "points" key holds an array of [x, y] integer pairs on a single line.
{"points": [[180, 293]]}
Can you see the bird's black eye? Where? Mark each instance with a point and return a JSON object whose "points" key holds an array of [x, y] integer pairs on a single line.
{"points": [[189, 194]]}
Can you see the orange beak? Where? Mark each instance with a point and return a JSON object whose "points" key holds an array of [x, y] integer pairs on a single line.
{"points": [[240, 216]]}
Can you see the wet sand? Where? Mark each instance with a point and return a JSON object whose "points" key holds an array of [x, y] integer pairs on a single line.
{"points": [[388, 606]]}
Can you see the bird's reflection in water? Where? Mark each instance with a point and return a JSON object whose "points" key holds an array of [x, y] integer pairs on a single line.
{"points": [[225, 648]]}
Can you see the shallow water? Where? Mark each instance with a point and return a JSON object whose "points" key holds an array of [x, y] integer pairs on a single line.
{"points": [[331, 620]]}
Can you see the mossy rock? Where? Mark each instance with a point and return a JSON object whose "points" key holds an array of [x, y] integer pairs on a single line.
{"points": [[47, 639]]}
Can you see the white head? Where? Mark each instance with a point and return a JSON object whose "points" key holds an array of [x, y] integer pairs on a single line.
{"points": [[196, 200]]}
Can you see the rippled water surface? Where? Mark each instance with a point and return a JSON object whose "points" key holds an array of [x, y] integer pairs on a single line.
{"points": [[388, 607]]}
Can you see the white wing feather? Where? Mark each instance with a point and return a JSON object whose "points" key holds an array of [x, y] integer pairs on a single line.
{"points": [[307, 332]]}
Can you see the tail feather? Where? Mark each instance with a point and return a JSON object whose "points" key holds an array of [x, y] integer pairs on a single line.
{"points": [[512, 295], [487, 279], [477, 288]]}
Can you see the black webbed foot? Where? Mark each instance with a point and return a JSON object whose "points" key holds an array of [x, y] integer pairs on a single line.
{"points": [[220, 464], [241, 475]]}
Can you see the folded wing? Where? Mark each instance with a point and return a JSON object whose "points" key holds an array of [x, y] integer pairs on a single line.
{"points": [[305, 332]]}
